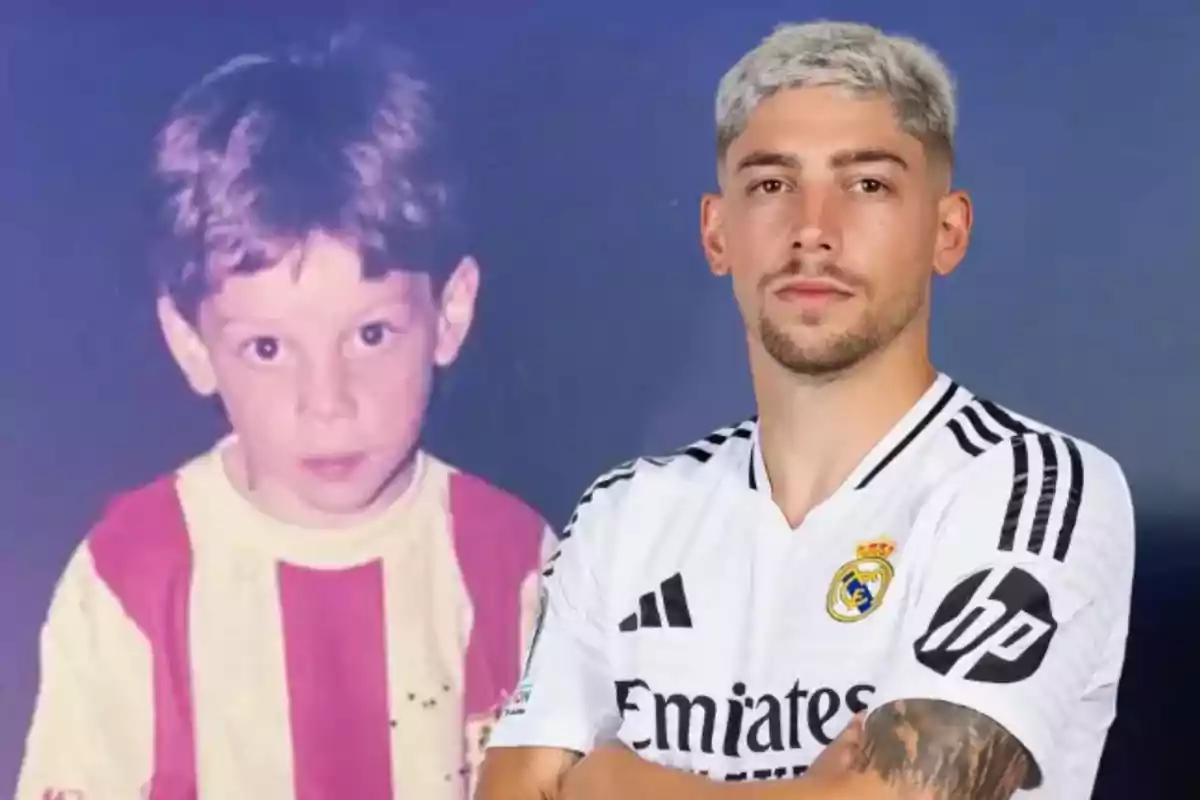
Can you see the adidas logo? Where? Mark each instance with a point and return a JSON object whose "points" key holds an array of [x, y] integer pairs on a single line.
{"points": [[674, 607]]}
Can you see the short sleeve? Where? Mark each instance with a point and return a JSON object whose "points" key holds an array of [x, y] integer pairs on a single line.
{"points": [[531, 592], [91, 733], [565, 699], [1026, 583]]}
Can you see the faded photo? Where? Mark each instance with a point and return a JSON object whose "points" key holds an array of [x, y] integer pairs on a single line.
{"points": [[316, 603]]}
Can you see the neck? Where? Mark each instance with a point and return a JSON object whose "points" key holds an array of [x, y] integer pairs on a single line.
{"points": [[815, 431]]}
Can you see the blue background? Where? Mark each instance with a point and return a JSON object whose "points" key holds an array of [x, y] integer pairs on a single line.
{"points": [[587, 131]]}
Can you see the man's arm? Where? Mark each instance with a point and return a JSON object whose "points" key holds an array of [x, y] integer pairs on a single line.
{"points": [[524, 773], [942, 751], [527, 773], [565, 702], [907, 750]]}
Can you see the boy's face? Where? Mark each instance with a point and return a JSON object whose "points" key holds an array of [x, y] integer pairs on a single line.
{"points": [[325, 376]]}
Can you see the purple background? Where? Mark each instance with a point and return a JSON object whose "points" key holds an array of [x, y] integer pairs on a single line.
{"points": [[589, 139]]}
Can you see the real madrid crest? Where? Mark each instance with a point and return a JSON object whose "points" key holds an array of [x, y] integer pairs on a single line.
{"points": [[859, 586]]}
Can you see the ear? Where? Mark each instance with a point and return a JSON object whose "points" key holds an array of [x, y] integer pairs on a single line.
{"points": [[456, 311], [712, 234], [955, 216], [187, 348]]}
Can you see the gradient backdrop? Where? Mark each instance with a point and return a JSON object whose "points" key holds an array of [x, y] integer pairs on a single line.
{"points": [[587, 129]]}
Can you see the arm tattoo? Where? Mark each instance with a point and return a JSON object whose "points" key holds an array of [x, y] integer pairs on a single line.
{"points": [[943, 751]]}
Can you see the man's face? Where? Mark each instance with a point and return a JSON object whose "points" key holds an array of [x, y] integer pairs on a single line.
{"points": [[831, 221], [325, 376]]}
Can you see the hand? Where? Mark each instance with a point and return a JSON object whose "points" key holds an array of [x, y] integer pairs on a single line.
{"points": [[841, 754], [594, 776]]}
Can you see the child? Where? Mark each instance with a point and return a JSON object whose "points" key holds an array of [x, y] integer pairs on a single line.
{"points": [[315, 608]]}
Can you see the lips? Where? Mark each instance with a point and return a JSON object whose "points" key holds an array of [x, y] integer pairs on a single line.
{"points": [[812, 295], [337, 467], [812, 288]]}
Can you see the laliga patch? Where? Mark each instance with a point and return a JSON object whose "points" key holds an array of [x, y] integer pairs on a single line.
{"points": [[859, 586], [517, 702]]}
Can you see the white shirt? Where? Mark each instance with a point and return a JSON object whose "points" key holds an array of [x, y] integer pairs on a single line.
{"points": [[974, 556]]}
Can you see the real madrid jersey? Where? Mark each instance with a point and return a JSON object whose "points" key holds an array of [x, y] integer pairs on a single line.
{"points": [[197, 648], [974, 556]]}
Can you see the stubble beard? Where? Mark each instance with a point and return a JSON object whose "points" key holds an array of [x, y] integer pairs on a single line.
{"points": [[839, 352]]}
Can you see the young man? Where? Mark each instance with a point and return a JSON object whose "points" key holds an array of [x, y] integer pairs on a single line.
{"points": [[314, 608], [877, 540]]}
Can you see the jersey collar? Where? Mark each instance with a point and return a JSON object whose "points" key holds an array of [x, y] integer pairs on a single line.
{"points": [[919, 418]]}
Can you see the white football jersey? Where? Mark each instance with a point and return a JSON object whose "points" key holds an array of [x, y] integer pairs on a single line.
{"points": [[974, 556]]}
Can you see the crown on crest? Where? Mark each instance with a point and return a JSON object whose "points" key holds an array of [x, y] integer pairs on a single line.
{"points": [[880, 548]]}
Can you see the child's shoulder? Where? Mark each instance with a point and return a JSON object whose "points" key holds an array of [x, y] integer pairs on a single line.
{"points": [[476, 497], [139, 546], [144, 528], [490, 523], [140, 524]]}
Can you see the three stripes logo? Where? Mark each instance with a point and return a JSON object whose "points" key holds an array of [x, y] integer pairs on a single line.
{"points": [[672, 612], [1047, 497], [981, 424]]}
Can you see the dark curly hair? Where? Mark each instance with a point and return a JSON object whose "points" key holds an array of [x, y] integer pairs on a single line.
{"points": [[269, 149]]}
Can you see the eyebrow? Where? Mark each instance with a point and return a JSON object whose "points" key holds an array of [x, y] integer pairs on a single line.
{"points": [[845, 158], [368, 313], [871, 155]]}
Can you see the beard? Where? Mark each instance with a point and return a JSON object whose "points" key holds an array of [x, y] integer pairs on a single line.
{"points": [[837, 352]]}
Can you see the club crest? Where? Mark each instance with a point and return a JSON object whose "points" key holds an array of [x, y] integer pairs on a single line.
{"points": [[859, 586]]}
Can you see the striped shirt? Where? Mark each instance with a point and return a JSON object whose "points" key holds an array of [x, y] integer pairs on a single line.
{"points": [[197, 648]]}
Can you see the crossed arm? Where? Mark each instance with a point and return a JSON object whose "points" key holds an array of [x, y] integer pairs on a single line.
{"points": [[906, 750], [938, 750]]}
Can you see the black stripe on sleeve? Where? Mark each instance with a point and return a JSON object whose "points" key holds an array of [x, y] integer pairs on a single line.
{"points": [[1003, 417], [622, 473], [700, 453], [1016, 500], [960, 436], [1046, 451], [1074, 498], [549, 570], [744, 431], [1041, 516], [988, 435]]}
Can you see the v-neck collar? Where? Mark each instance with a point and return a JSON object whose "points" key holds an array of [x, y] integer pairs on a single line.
{"points": [[918, 418]]}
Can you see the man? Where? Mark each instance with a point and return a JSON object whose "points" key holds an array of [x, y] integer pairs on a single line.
{"points": [[315, 606], [876, 540]]}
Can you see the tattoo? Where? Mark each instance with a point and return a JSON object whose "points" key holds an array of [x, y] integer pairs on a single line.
{"points": [[944, 750]]}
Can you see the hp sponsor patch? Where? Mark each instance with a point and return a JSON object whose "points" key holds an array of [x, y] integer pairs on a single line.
{"points": [[993, 627]]}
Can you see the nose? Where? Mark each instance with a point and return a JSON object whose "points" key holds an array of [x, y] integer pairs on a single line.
{"points": [[325, 392], [816, 226]]}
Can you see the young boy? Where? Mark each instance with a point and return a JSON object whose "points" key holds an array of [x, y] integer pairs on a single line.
{"points": [[315, 608]]}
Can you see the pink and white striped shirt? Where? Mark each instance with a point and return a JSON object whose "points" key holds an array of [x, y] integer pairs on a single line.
{"points": [[197, 648]]}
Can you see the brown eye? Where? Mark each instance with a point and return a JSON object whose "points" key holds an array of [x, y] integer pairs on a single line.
{"points": [[265, 348], [871, 186], [770, 186], [373, 334]]}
